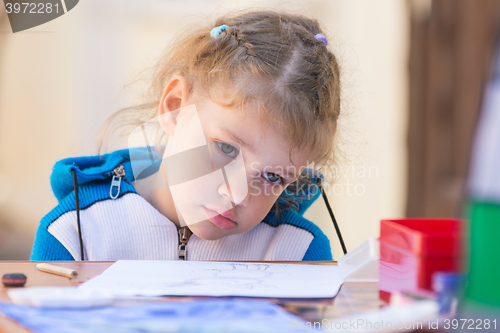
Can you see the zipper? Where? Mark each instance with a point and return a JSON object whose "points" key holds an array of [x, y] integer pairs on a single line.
{"points": [[184, 234], [118, 173]]}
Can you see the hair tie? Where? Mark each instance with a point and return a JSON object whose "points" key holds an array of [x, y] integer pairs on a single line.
{"points": [[322, 38], [215, 32]]}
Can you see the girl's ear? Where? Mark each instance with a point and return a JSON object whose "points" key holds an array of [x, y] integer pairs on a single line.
{"points": [[174, 97]]}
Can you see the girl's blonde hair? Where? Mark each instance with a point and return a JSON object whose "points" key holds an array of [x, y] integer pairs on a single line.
{"points": [[266, 59]]}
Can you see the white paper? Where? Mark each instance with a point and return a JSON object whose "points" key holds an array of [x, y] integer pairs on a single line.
{"points": [[201, 278]]}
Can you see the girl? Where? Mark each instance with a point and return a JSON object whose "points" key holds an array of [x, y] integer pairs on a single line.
{"points": [[246, 103]]}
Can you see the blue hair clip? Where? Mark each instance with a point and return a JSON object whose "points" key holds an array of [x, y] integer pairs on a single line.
{"points": [[215, 32], [322, 38]]}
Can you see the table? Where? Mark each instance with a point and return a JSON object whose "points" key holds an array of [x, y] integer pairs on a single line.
{"points": [[353, 296]]}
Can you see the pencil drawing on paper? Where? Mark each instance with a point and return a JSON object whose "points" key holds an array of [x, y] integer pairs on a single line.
{"points": [[237, 275], [202, 278]]}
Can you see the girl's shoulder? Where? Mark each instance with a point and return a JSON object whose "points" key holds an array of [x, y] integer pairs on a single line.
{"points": [[303, 196], [97, 178], [94, 178], [107, 202], [96, 171], [319, 245]]}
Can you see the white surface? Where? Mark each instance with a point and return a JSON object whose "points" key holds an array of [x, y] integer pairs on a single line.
{"points": [[196, 278], [362, 263], [60, 297], [484, 183]]}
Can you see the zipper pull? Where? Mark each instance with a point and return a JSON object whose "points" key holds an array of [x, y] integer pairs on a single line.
{"points": [[184, 234], [119, 173]]}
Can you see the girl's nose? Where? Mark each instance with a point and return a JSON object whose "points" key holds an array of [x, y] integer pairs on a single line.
{"points": [[236, 193], [223, 190], [235, 186]]}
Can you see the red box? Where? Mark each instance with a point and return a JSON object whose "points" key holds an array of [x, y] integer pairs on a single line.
{"points": [[411, 250]]}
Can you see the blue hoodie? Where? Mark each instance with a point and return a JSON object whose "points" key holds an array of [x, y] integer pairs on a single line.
{"points": [[128, 227]]}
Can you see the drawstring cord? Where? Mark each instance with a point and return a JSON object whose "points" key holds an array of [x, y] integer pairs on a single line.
{"points": [[337, 229], [75, 185]]}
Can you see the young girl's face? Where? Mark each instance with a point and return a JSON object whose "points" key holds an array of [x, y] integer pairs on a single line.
{"points": [[228, 184]]}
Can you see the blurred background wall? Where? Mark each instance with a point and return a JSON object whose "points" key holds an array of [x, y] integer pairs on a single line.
{"points": [[61, 80], [451, 49]]}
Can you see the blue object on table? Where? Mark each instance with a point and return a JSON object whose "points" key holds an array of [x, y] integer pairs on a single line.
{"points": [[449, 287], [199, 316]]}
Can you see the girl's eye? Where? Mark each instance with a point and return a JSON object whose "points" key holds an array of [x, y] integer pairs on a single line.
{"points": [[273, 178], [228, 149]]}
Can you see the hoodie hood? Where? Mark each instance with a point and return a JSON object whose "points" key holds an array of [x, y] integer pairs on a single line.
{"points": [[145, 163]]}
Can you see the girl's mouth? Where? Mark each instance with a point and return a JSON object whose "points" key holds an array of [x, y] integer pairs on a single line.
{"points": [[222, 222]]}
